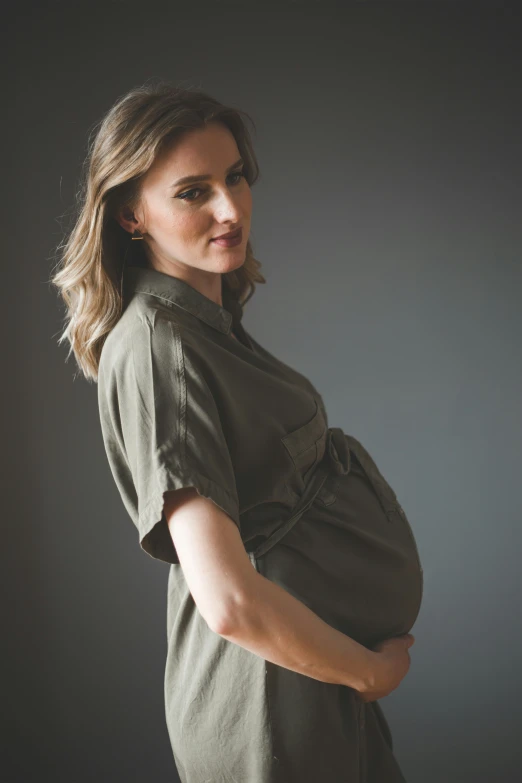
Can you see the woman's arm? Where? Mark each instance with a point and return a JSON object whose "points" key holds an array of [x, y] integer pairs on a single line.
{"points": [[244, 607]]}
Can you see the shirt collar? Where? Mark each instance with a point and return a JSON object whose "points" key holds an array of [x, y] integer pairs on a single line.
{"points": [[145, 280]]}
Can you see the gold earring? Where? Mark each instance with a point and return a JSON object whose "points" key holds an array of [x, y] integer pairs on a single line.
{"points": [[136, 234]]}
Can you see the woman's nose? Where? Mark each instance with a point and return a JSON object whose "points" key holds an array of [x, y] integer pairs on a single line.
{"points": [[226, 208]]}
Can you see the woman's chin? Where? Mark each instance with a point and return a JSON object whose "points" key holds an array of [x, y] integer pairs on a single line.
{"points": [[230, 261]]}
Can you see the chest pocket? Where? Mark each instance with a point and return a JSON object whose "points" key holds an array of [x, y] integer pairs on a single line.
{"points": [[306, 446]]}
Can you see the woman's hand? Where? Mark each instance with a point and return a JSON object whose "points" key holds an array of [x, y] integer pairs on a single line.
{"points": [[392, 662]]}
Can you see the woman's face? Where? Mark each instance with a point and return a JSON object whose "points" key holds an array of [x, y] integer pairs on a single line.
{"points": [[181, 220]]}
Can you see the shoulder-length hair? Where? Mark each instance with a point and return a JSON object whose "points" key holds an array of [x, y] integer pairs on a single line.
{"points": [[121, 148]]}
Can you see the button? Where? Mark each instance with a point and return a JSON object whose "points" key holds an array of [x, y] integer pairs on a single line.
{"points": [[326, 497]]}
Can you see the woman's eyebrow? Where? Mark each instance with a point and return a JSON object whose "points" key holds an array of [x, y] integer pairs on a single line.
{"points": [[198, 177]]}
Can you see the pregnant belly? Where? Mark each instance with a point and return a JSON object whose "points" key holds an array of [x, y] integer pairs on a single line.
{"points": [[351, 563]]}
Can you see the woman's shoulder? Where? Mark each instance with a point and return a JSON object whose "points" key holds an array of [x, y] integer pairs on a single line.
{"points": [[139, 331], [152, 339]]}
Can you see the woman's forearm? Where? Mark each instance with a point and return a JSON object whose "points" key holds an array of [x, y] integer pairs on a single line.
{"points": [[275, 625]]}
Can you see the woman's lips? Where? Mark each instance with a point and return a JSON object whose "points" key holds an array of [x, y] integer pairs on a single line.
{"points": [[230, 241]]}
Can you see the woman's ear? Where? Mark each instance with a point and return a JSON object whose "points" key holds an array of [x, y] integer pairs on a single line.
{"points": [[127, 219]]}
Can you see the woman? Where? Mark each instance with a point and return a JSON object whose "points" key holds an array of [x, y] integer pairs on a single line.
{"points": [[294, 575]]}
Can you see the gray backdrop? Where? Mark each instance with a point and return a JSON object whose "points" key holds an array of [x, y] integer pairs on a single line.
{"points": [[386, 221]]}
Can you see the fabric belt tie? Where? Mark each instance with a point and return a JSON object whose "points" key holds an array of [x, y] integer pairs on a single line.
{"points": [[337, 460], [337, 451]]}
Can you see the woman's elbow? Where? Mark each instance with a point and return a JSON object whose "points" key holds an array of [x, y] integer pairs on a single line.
{"points": [[216, 566]]}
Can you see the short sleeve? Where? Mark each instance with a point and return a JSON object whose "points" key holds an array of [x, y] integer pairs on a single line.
{"points": [[162, 429]]}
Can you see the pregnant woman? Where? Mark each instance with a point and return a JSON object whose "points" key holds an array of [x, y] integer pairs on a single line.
{"points": [[294, 575]]}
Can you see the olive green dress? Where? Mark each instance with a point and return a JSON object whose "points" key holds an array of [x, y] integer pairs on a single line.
{"points": [[184, 403]]}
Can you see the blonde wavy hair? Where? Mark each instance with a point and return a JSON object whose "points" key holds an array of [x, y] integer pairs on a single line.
{"points": [[122, 147]]}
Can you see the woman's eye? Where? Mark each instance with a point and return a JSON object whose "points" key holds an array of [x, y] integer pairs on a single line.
{"points": [[185, 196], [237, 174]]}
